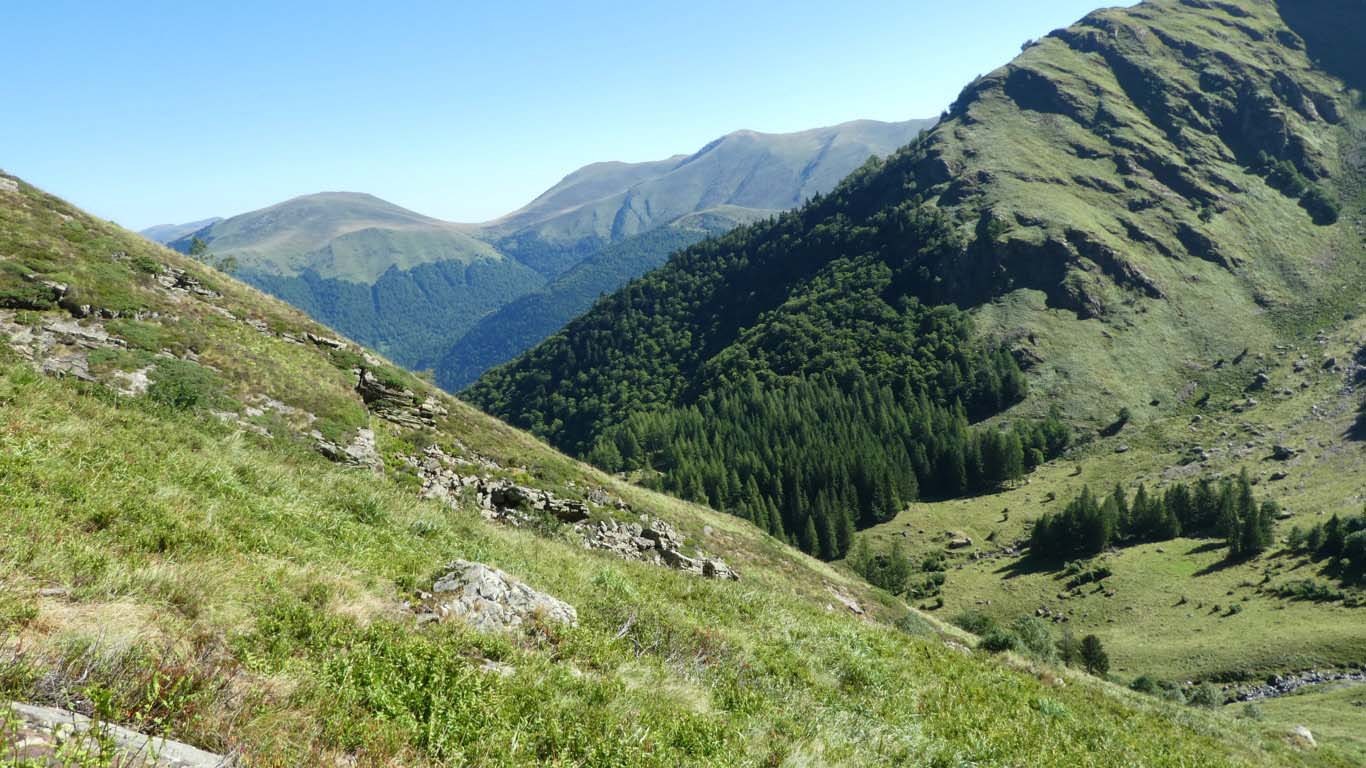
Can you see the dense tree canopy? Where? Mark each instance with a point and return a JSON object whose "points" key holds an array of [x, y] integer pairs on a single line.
{"points": [[805, 373], [1088, 525]]}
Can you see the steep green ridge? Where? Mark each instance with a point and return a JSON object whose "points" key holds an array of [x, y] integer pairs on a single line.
{"points": [[1115, 181], [521, 324], [185, 562], [410, 315]]}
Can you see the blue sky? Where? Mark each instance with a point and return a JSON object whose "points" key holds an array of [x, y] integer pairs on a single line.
{"points": [[151, 112]]}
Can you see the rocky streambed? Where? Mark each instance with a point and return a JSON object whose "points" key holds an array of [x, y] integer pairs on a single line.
{"points": [[1284, 685]]}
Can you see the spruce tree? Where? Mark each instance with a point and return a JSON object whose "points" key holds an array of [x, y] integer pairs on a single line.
{"points": [[1093, 655]]}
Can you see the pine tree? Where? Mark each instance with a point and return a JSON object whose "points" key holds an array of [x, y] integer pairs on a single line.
{"points": [[1093, 655]]}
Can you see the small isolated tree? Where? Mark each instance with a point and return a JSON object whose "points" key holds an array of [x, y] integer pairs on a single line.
{"points": [[1093, 655], [1206, 695], [198, 247], [1069, 648], [1035, 638]]}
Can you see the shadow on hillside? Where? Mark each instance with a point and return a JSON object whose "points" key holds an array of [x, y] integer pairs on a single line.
{"points": [[1220, 565], [1332, 33], [1357, 431], [1027, 566], [1208, 546]]}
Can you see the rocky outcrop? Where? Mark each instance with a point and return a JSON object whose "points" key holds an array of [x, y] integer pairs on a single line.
{"points": [[446, 478], [57, 346], [653, 541], [498, 499], [360, 452], [489, 600], [179, 281], [395, 403], [48, 736]]}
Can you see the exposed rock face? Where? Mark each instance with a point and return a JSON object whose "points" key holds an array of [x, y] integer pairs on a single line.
{"points": [[653, 541], [501, 500], [360, 452], [58, 346], [490, 600], [41, 732], [177, 280], [394, 404]]}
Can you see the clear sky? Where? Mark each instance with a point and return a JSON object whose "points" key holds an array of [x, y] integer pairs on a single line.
{"points": [[152, 111]]}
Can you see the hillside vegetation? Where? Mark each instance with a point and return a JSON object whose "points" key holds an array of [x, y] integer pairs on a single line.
{"points": [[1159, 213], [1147, 190], [178, 556]]}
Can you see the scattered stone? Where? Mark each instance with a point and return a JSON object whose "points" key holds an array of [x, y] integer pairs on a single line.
{"points": [[846, 600], [960, 542], [653, 541], [41, 732], [1283, 453], [324, 341], [1302, 737], [500, 500], [177, 280], [1282, 685], [1276, 477], [497, 668], [490, 600], [505, 495], [1260, 381], [361, 452], [133, 383]]}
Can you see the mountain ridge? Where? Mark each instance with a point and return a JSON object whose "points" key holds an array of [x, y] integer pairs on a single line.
{"points": [[413, 286]]}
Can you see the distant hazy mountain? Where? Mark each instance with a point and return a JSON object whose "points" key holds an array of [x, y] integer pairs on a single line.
{"points": [[738, 173], [393, 279], [345, 235], [165, 233], [413, 286], [739, 178]]}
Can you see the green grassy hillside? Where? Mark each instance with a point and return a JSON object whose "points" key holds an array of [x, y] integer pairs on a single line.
{"points": [[1159, 211], [178, 556]]}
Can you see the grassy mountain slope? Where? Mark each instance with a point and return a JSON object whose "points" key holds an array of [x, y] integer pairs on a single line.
{"points": [[613, 231], [1110, 220], [183, 561], [1150, 208]]}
